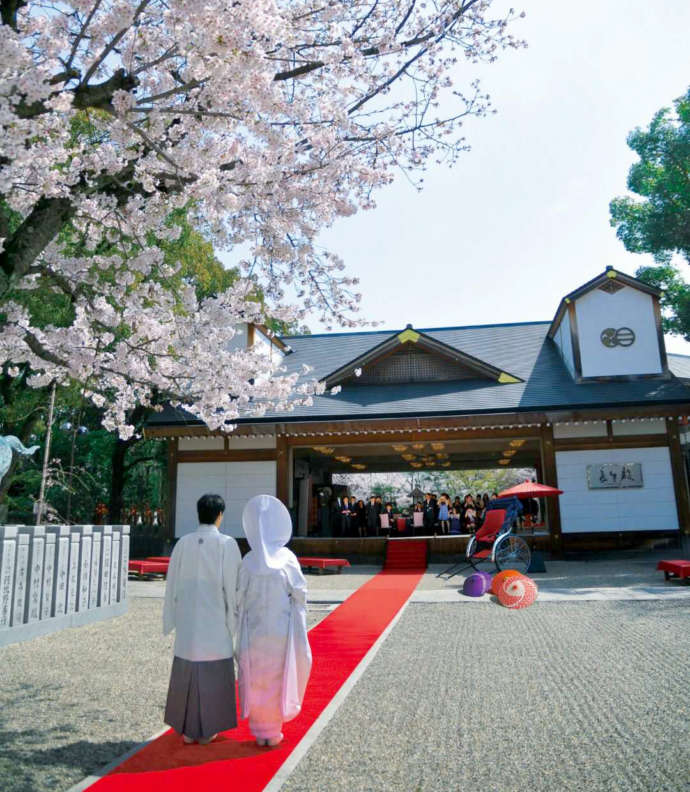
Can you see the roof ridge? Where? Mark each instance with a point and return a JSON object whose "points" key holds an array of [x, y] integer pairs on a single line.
{"points": [[419, 329]]}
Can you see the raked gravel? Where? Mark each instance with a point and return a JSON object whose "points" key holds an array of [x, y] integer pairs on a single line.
{"points": [[73, 701], [560, 697]]}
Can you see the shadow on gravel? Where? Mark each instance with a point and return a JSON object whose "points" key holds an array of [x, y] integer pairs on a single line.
{"points": [[27, 767]]}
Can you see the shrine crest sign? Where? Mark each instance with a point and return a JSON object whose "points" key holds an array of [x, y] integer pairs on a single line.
{"points": [[614, 475]]}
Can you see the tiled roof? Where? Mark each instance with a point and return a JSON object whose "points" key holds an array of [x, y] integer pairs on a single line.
{"points": [[522, 349]]}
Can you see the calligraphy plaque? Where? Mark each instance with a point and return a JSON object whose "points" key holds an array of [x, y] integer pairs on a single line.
{"points": [[8, 554], [48, 576], [612, 475]]}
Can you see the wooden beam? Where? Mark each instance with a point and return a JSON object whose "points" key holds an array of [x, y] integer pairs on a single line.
{"points": [[221, 455], [548, 456], [411, 437], [615, 441], [282, 469], [680, 479], [172, 487]]}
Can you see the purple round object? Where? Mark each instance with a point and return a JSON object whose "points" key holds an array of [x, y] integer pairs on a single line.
{"points": [[488, 577], [474, 585]]}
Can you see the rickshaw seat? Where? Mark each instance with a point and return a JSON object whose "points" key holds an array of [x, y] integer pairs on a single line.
{"points": [[493, 522]]}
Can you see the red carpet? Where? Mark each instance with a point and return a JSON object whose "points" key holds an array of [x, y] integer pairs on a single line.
{"points": [[405, 554], [234, 761]]}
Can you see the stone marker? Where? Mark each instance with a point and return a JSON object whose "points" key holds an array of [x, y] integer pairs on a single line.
{"points": [[62, 537], [106, 533], [115, 564], [97, 541], [21, 579], [48, 576], [8, 556], [37, 544], [85, 533], [124, 563], [73, 572]]}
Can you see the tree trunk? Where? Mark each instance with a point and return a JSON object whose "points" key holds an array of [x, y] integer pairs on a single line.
{"points": [[117, 478], [118, 471]]}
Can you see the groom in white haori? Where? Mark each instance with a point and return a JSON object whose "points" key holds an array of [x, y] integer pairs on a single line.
{"points": [[200, 607]]}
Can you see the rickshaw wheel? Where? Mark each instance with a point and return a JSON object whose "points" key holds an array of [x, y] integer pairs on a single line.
{"points": [[513, 552]]}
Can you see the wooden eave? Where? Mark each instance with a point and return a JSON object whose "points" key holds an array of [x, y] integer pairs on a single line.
{"points": [[426, 342]]}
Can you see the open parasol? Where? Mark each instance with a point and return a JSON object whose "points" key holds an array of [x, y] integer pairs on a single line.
{"points": [[530, 489]]}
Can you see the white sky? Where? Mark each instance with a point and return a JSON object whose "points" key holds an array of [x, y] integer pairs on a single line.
{"points": [[523, 218]]}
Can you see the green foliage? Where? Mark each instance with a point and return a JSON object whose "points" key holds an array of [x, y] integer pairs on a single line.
{"points": [[675, 299], [658, 222]]}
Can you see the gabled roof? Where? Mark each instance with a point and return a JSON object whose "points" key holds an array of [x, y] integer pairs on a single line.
{"points": [[421, 340], [609, 274], [523, 348]]}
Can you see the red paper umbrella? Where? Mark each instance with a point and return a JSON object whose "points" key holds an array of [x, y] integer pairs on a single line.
{"points": [[530, 489], [517, 592]]}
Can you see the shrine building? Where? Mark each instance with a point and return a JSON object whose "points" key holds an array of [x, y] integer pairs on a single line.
{"points": [[590, 400]]}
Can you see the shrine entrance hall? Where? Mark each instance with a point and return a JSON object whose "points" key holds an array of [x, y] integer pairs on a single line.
{"points": [[317, 484]]}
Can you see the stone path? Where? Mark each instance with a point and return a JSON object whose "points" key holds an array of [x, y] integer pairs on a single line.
{"points": [[564, 695]]}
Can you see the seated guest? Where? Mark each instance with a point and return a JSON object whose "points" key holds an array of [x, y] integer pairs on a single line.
{"points": [[455, 520], [469, 515]]}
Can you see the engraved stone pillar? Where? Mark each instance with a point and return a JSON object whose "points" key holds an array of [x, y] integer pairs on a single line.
{"points": [[8, 557], [85, 533], [124, 563], [106, 533], [37, 543], [62, 537], [73, 572], [96, 546], [115, 563], [48, 576], [21, 579]]}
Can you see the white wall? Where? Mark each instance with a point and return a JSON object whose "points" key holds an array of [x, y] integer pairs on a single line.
{"points": [[236, 482], [201, 443], [655, 426], [651, 507], [598, 310], [594, 429], [564, 341]]}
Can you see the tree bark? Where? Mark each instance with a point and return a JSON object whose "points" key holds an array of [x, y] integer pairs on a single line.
{"points": [[41, 226], [119, 469], [117, 478]]}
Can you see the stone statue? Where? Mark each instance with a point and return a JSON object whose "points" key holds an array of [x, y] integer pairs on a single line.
{"points": [[7, 445]]}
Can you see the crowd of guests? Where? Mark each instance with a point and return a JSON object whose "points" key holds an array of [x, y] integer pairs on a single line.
{"points": [[440, 514]]}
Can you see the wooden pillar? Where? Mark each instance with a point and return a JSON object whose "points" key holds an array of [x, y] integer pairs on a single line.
{"points": [[679, 478], [548, 458], [282, 469], [172, 486]]}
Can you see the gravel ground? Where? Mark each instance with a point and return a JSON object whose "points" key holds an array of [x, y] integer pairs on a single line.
{"points": [[558, 697], [73, 701]]}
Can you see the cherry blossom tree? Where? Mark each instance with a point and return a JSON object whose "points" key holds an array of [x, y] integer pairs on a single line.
{"points": [[262, 121]]}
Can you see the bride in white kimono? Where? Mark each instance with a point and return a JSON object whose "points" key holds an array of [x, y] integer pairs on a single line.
{"points": [[274, 657]]}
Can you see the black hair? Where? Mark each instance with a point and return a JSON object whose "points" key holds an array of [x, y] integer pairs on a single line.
{"points": [[208, 507]]}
